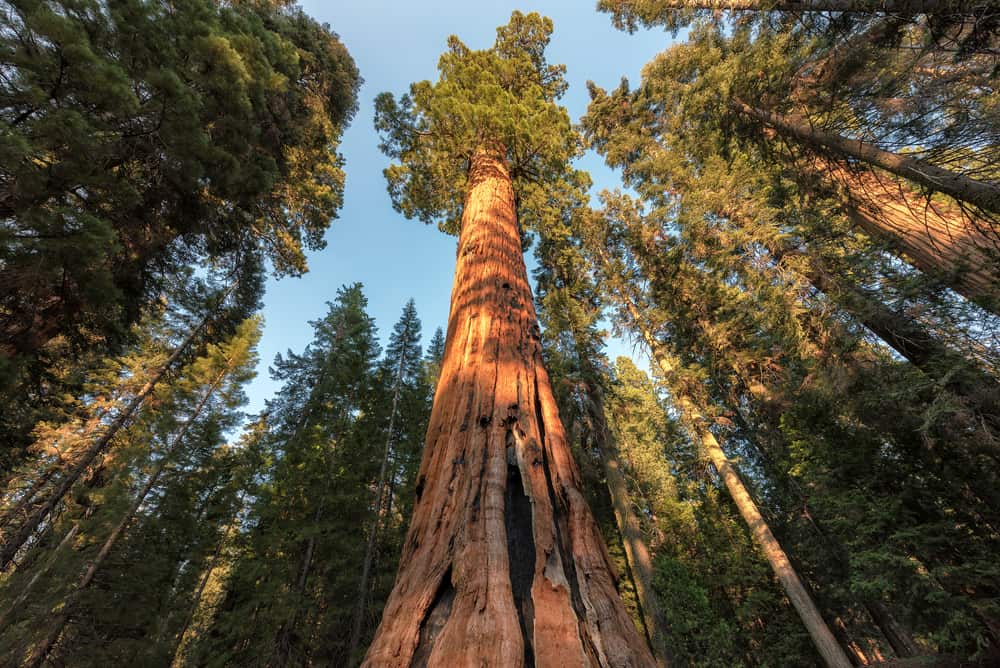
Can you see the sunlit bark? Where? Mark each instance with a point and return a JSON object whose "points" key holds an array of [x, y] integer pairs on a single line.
{"points": [[503, 564], [823, 639]]}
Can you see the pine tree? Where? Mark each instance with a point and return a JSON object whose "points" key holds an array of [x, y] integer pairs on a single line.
{"points": [[828, 132], [300, 557], [99, 432], [139, 141], [402, 368], [435, 355], [174, 449], [570, 306]]}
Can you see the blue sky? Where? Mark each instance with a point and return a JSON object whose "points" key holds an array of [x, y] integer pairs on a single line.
{"points": [[395, 42]]}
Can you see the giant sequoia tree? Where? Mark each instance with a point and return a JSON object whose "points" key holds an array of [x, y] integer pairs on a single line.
{"points": [[503, 562]]}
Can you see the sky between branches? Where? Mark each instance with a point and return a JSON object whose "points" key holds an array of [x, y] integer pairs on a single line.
{"points": [[396, 42]]}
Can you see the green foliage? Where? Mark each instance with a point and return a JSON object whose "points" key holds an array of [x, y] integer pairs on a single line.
{"points": [[498, 99], [433, 358], [136, 139], [298, 558], [156, 562]]}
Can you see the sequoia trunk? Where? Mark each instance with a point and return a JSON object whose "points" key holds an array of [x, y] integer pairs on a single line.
{"points": [[503, 563]]}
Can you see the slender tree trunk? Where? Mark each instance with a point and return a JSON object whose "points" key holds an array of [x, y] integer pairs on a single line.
{"points": [[203, 583], [380, 491], [23, 596], [42, 649], [637, 553], [899, 638], [282, 655], [896, 634], [12, 544], [20, 509], [983, 194], [823, 639], [639, 559], [503, 564], [196, 602]]}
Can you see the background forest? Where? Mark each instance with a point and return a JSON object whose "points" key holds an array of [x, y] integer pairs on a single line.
{"points": [[764, 250]]}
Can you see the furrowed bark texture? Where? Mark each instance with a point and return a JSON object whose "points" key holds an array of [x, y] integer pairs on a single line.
{"points": [[503, 564]]}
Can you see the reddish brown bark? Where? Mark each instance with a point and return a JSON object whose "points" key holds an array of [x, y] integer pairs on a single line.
{"points": [[503, 564]]}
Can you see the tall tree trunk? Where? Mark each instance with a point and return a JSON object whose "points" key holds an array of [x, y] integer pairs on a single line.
{"points": [[637, 553], [503, 563], [823, 639], [380, 492], [20, 509], [18, 538], [196, 601], [892, 630], [983, 194], [285, 637], [899, 638], [23, 595], [42, 649], [939, 239]]}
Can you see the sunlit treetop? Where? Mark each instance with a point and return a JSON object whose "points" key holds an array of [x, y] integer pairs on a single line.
{"points": [[503, 98]]}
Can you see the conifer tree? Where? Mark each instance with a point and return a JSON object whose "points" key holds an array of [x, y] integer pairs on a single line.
{"points": [[434, 357], [33, 506], [173, 454], [830, 135], [300, 567], [402, 369], [694, 419], [503, 562], [569, 307]]}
